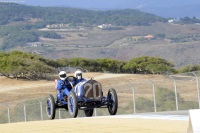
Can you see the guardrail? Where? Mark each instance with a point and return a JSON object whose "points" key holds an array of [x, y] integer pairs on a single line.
{"points": [[169, 93]]}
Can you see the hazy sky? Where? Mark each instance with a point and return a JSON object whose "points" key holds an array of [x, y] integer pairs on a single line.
{"points": [[98, 4], [106, 4], [165, 8]]}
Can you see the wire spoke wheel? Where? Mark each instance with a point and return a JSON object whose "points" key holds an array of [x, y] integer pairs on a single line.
{"points": [[72, 104], [50, 107], [112, 101]]}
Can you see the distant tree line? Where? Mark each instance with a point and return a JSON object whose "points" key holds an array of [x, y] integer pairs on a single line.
{"points": [[27, 65], [11, 12], [141, 65], [188, 20], [186, 38]]}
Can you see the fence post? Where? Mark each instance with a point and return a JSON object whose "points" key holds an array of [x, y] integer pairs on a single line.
{"points": [[175, 91], [133, 91], [197, 88], [41, 113], [24, 110], [154, 95], [8, 112]]}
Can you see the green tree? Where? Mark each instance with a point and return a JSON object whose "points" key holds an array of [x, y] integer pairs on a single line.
{"points": [[149, 65], [18, 63], [189, 68], [110, 65]]}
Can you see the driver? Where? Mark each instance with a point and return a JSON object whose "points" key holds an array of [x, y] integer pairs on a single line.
{"points": [[63, 86], [79, 76]]}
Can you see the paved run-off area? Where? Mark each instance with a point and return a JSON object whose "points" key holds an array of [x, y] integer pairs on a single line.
{"points": [[98, 125]]}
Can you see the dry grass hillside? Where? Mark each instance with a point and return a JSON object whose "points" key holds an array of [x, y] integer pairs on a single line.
{"points": [[125, 45], [13, 89]]}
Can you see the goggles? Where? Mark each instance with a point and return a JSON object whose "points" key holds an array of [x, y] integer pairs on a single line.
{"points": [[63, 75]]}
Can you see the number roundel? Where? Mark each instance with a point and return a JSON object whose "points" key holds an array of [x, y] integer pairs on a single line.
{"points": [[92, 89]]}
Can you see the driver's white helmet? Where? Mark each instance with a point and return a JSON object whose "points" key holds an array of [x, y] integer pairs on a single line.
{"points": [[62, 75], [78, 74]]}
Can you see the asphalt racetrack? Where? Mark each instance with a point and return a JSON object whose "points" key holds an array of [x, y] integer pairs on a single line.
{"points": [[111, 124]]}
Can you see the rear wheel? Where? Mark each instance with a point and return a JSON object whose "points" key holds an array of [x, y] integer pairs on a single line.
{"points": [[50, 107], [112, 101], [72, 104], [89, 112]]}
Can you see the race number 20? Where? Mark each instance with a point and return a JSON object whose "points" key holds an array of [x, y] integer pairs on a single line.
{"points": [[93, 90]]}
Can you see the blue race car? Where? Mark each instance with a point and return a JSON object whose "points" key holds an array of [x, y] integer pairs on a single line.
{"points": [[85, 96]]}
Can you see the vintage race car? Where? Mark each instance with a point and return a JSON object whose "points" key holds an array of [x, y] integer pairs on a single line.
{"points": [[85, 96]]}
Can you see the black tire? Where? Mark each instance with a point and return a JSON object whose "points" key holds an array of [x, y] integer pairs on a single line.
{"points": [[112, 101], [89, 112], [50, 107], [72, 104]]}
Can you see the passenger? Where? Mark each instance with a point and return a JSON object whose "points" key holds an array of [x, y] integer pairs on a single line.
{"points": [[79, 81], [79, 76]]}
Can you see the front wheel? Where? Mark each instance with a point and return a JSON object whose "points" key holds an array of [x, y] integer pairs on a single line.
{"points": [[72, 104], [112, 101], [50, 107]]}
